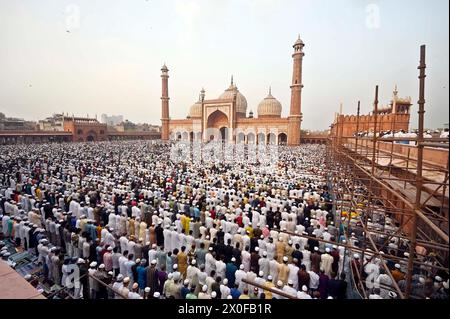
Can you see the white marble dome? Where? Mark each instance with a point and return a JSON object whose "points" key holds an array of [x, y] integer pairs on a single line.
{"points": [[241, 101], [196, 110], [269, 107]]}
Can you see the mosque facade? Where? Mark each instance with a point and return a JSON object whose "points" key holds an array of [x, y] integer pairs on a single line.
{"points": [[227, 117]]}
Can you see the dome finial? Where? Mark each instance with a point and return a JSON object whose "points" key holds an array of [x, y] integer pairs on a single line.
{"points": [[270, 90], [232, 81]]}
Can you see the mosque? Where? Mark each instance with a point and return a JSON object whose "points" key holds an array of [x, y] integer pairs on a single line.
{"points": [[226, 118]]}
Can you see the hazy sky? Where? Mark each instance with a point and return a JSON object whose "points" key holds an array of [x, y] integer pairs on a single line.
{"points": [[110, 60]]}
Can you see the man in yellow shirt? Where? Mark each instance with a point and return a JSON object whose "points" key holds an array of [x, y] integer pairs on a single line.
{"points": [[283, 271], [268, 284], [244, 295], [182, 262], [280, 250]]}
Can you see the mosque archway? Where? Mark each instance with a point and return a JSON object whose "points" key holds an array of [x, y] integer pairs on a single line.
{"points": [[240, 138], [261, 138], [224, 134], [217, 120], [91, 136], [185, 136], [250, 138], [191, 136], [271, 139], [282, 139]]}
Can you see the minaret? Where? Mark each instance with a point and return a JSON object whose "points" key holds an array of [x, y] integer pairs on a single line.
{"points": [[165, 104], [394, 100], [295, 115]]}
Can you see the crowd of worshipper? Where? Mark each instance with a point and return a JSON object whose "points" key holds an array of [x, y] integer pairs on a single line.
{"points": [[404, 134], [121, 220]]}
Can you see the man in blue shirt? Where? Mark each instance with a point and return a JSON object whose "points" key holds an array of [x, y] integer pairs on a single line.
{"points": [[142, 275], [230, 272], [234, 292]]}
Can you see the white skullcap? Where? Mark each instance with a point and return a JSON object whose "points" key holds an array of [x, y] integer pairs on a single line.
{"points": [[256, 248], [225, 281], [316, 248], [229, 297], [102, 266], [93, 264], [327, 250], [269, 277], [446, 284], [304, 288], [356, 256], [204, 288], [397, 266], [290, 282], [156, 294], [126, 279], [147, 289], [186, 282], [175, 266], [264, 253], [241, 267], [213, 294], [279, 283], [285, 258], [193, 262], [438, 278], [233, 259], [261, 274], [392, 294]]}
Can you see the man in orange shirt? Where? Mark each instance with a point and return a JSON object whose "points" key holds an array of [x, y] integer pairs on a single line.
{"points": [[397, 273]]}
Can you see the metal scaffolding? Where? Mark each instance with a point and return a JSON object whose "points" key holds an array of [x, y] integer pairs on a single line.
{"points": [[390, 205]]}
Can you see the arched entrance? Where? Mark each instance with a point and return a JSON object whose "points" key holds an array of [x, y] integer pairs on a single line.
{"points": [[217, 126], [261, 138], [223, 134], [282, 139], [91, 136], [241, 138], [251, 138], [271, 139]]}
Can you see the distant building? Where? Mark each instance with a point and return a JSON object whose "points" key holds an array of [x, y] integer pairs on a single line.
{"points": [[12, 123], [64, 128], [85, 129], [392, 117], [111, 120], [52, 123]]}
